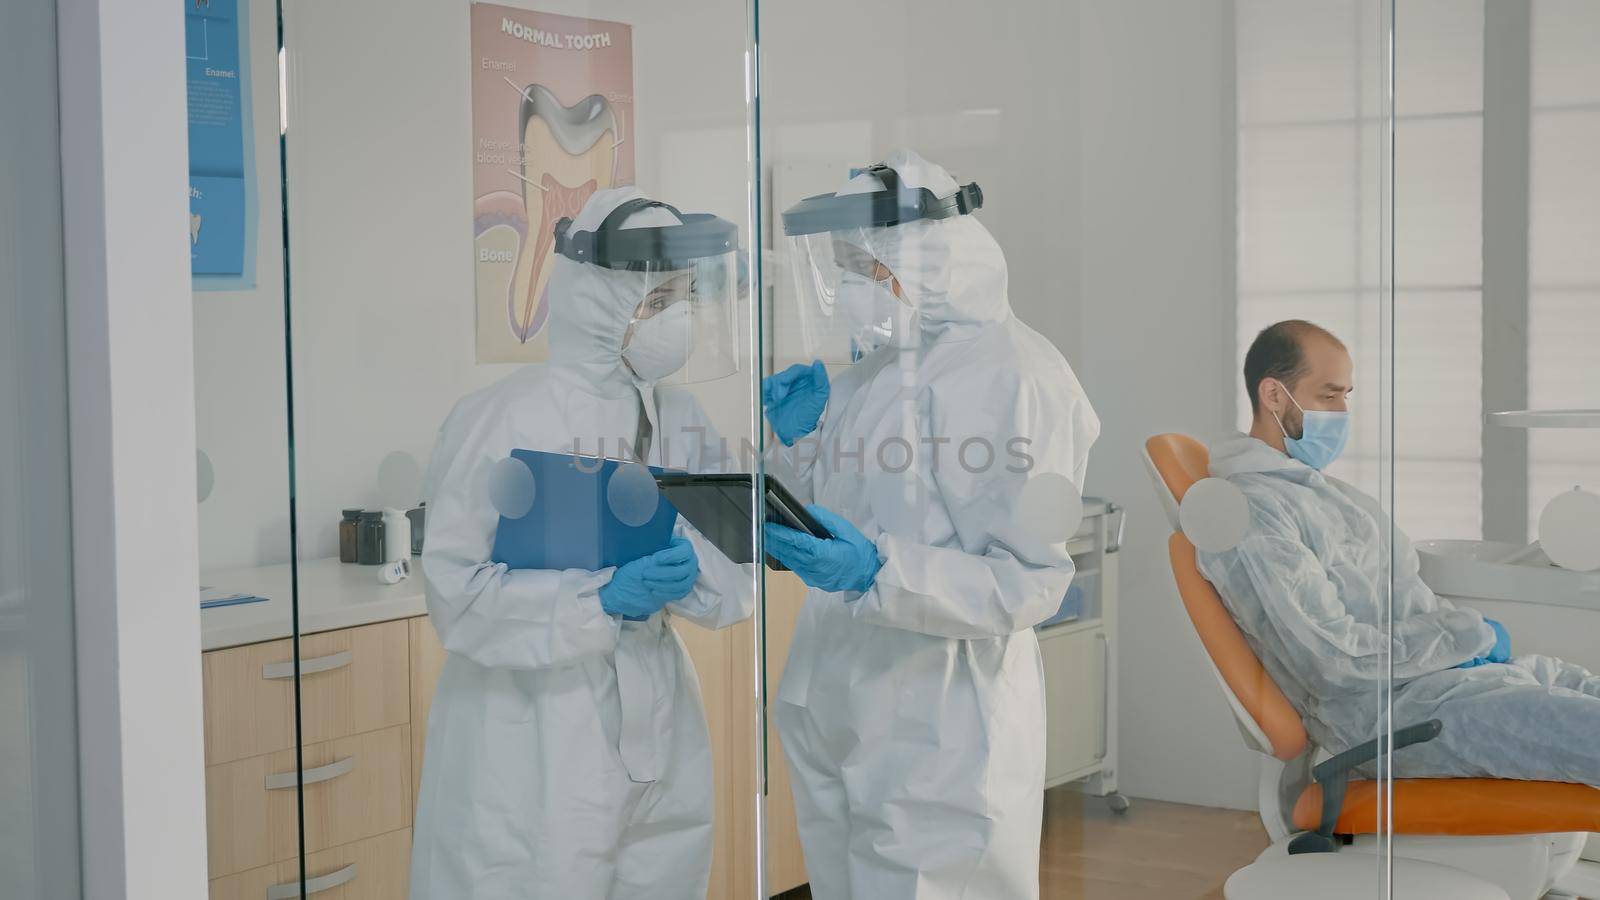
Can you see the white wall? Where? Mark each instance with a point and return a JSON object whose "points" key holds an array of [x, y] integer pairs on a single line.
{"points": [[1157, 301]]}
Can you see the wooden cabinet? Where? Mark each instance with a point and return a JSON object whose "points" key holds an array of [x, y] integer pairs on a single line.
{"points": [[357, 787], [351, 681], [366, 693], [369, 692], [251, 815], [249, 708], [711, 653], [356, 751], [786, 865], [378, 868], [427, 661]]}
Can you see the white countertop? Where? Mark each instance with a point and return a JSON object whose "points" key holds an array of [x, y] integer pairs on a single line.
{"points": [[1491, 570], [336, 595], [333, 595]]}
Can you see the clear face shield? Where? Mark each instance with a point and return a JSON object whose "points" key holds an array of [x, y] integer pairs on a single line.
{"points": [[846, 301], [683, 328]]}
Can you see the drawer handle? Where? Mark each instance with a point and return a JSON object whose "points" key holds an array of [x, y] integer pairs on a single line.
{"points": [[285, 780], [317, 885], [272, 671]]}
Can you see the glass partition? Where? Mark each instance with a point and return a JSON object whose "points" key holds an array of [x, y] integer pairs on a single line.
{"points": [[521, 356], [1496, 389], [252, 684], [1026, 677], [1088, 364]]}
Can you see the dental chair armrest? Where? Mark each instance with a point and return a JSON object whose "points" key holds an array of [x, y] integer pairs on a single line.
{"points": [[1333, 775], [1361, 754]]}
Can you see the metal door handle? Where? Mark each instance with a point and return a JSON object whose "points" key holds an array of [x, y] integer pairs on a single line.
{"points": [[283, 780], [317, 885], [272, 671]]}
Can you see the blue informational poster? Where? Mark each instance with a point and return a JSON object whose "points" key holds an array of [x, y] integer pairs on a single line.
{"points": [[216, 225], [221, 164]]}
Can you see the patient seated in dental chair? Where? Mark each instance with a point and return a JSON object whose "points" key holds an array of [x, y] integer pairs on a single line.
{"points": [[1306, 586]]}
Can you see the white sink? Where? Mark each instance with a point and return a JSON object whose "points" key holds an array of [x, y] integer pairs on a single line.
{"points": [[1489, 570]]}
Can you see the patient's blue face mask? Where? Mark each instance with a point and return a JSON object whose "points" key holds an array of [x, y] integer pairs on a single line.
{"points": [[1323, 434]]}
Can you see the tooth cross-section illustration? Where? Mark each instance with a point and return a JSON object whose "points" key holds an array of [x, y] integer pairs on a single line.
{"points": [[569, 152]]}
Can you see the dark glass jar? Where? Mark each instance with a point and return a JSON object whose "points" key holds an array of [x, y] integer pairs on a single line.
{"points": [[419, 521], [370, 549], [348, 540]]}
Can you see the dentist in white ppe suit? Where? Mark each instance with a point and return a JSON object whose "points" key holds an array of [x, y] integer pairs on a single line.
{"points": [[912, 708], [567, 752]]}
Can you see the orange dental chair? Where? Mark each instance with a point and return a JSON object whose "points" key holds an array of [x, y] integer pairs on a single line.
{"points": [[1526, 837]]}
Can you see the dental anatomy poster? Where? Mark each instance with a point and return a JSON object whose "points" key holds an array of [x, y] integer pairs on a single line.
{"points": [[552, 122], [220, 162]]}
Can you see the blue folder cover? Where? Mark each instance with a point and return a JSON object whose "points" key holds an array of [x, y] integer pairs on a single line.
{"points": [[572, 524]]}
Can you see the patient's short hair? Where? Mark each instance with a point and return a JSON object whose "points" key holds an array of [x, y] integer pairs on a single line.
{"points": [[1278, 352]]}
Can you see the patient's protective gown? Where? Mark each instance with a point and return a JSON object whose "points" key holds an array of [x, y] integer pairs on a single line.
{"points": [[1305, 587]]}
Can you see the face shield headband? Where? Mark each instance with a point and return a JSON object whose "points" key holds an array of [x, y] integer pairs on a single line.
{"points": [[657, 248], [896, 204]]}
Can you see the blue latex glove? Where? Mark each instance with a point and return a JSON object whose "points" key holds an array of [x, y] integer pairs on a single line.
{"points": [[794, 400], [638, 589], [1499, 653], [848, 562]]}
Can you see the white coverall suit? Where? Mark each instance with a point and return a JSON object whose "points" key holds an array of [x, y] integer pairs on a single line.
{"points": [[567, 752], [912, 715]]}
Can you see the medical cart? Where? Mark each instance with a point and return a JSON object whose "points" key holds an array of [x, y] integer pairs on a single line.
{"points": [[1079, 646]]}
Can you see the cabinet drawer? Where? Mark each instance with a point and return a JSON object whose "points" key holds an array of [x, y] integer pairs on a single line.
{"points": [[352, 681], [377, 868], [1075, 699], [355, 787]]}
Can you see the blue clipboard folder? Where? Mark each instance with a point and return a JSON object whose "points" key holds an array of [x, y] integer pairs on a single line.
{"points": [[572, 524]]}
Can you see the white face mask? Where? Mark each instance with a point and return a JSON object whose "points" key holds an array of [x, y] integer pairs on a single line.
{"points": [[661, 344], [866, 309]]}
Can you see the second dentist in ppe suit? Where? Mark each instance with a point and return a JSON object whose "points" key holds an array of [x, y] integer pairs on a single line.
{"points": [[567, 752], [944, 461]]}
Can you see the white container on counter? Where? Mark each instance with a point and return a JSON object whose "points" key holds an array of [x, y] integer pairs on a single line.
{"points": [[396, 535]]}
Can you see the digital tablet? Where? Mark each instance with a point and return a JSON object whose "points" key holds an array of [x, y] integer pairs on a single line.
{"points": [[719, 507]]}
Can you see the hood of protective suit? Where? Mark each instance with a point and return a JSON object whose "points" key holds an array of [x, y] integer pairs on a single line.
{"points": [[591, 306], [1242, 454], [950, 270]]}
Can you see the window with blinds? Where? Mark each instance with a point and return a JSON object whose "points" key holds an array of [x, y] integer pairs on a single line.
{"points": [[1564, 244], [1310, 149]]}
